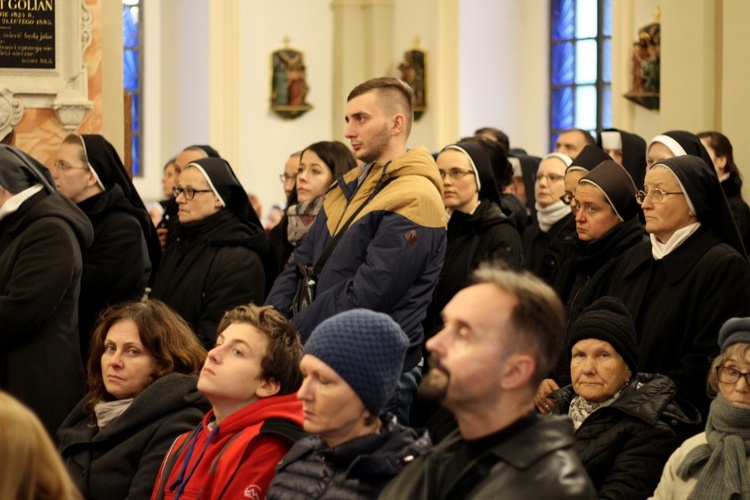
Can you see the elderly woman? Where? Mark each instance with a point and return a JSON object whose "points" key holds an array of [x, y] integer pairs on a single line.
{"points": [[351, 365], [716, 463], [624, 420], [320, 165], [692, 275], [543, 242], [142, 395], [222, 257], [31, 466], [125, 253]]}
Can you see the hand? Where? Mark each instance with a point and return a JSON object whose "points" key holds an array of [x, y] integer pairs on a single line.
{"points": [[162, 232], [542, 402]]}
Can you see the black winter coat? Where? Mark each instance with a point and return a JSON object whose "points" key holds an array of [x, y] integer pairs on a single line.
{"points": [[595, 267], [679, 304], [116, 267], [122, 460], [547, 256], [211, 268], [625, 445], [536, 462], [359, 468], [40, 273], [740, 211], [487, 234]]}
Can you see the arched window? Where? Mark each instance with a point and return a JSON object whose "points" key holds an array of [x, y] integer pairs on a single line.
{"points": [[580, 66], [132, 79]]}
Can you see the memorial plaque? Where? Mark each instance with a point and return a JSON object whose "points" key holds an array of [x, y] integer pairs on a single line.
{"points": [[27, 34]]}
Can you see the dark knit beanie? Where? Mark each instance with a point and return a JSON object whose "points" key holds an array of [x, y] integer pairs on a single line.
{"points": [[733, 331], [618, 187], [366, 349], [607, 319]]}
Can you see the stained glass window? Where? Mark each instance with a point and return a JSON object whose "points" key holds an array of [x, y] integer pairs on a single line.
{"points": [[580, 66], [132, 75]]}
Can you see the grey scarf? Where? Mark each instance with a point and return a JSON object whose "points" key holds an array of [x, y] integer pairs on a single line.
{"points": [[721, 465], [301, 217]]}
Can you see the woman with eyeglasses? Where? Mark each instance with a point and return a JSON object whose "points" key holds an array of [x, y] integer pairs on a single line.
{"points": [[125, 254], [478, 230], [221, 258], [689, 278], [716, 463], [544, 248]]}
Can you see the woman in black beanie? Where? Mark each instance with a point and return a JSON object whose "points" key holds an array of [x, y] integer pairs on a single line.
{"points": [[626, 422]]}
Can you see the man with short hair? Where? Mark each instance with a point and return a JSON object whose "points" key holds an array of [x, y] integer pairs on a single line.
{"points": [[251, 378], [391, 219], [572, 141], [501, 337]]}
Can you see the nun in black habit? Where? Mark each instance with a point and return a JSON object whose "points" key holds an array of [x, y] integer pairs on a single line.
{"points": [[42, 235], [123, 258], [222, 257], [688, 279], [629, 150], [676, 143]]}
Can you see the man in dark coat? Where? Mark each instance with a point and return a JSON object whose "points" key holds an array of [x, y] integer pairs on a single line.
{"points": [[118, 265], [501, 337], [42, 235]]}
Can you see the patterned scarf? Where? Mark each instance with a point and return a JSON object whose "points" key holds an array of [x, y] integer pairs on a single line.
{"points": [[580, 409], [721, 465], [301, 217]]}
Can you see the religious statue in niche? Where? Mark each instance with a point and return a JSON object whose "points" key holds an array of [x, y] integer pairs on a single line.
{"points": [[289, 83], [646, 65], [414, 72]]}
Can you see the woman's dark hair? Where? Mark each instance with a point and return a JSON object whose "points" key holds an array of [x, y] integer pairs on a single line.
{"points": [[164, 335], [722, 147], [337, 157]]}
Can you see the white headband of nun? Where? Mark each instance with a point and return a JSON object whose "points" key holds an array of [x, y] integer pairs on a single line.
{"points": [[471, 162], [670, 143], [91, 167], [684, 191], [208, 180], [611, 140]]}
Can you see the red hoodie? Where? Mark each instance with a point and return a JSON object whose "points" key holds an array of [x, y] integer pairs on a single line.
{"points": [[234, 459]]}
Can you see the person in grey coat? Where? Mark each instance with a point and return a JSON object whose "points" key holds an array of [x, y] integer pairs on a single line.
{"points": [[142, 396]]}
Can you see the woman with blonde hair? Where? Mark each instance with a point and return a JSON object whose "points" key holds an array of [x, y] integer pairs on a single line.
{"points": [[142, 376], [29, 464]]}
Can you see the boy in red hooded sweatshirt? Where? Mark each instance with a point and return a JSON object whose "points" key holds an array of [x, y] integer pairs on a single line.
{"points": [[250, 377]]}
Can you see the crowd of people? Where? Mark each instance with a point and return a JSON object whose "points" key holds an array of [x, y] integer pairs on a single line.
{"points": [[476, 322]]}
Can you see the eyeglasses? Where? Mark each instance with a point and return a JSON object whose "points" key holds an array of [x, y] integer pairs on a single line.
{"points": [[566, 198], [189, 193], [284, 178], [729, 375], [64, 167], [656, 195], [549, 177], [454, 173]]}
